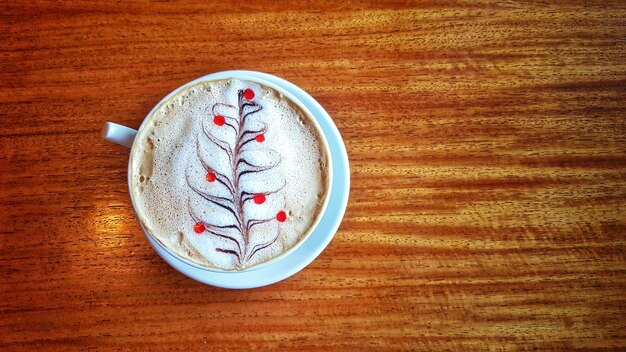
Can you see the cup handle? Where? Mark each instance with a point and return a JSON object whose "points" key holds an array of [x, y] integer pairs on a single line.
{"points": [[119, 134]]}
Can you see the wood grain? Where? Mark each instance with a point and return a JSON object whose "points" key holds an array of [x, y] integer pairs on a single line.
{"points": [[487, 143]]}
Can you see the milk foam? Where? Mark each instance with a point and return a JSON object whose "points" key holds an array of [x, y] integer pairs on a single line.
{"points": [[183, 141]]}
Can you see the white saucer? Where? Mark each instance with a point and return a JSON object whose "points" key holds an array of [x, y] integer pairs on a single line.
{"points": [[323, 233]]}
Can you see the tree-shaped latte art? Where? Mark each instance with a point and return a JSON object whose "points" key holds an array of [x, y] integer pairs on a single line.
{"points": [[241, 189]]}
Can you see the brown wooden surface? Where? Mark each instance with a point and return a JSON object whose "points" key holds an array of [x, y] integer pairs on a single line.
{"points": [[488, 156]]}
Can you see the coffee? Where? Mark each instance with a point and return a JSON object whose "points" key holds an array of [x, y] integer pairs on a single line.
{"points": [[229, 174]]}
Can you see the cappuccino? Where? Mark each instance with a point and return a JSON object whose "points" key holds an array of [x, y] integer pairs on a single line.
{"points": [[229, 174]]}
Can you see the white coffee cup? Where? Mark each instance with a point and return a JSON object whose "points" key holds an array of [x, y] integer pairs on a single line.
{"points": [[296, 258]]}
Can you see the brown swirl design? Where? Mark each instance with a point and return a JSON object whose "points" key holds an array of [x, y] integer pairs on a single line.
{"points": [[238, 234]]}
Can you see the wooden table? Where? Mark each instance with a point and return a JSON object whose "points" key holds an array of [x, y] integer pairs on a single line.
{"points": [[488, 157]]}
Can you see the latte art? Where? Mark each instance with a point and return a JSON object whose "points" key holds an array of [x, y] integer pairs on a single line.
{"points": [[241, 208], [229, 174]]}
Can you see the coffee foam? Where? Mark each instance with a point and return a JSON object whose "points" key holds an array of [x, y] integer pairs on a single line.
{"points": [[183, 141]]}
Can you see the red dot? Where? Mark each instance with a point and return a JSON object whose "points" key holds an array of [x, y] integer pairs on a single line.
{"points": [[260, 138], [210, 176], [259, 198], [219, 120], [281, 216], [248, 94], [199, 227]]}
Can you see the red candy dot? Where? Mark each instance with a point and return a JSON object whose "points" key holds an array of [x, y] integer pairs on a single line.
{"points": [[260, 138], [199, 227], [210, 176], [219, 120], [259, 198], [281, 216], [248, 94]]}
